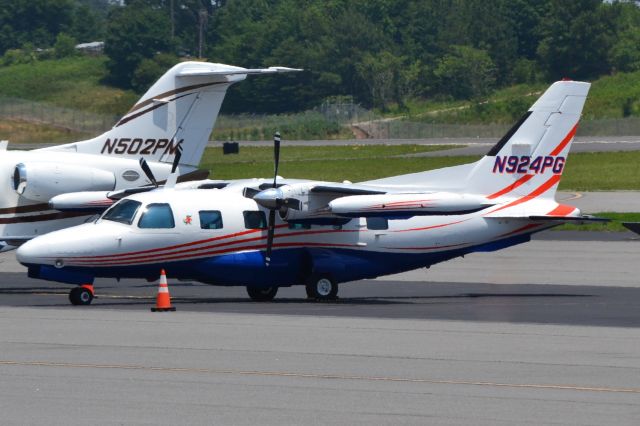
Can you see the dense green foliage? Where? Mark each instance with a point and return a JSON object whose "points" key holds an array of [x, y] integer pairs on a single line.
{"points": [[31, 24], [72, 82], [383, 53]]}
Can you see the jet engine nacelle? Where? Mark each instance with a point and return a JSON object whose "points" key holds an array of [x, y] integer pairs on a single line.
{"points": [[422, 204], [40, 181]]}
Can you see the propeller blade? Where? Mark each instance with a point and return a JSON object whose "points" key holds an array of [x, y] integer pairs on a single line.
{"points": [[147, 171], [271, 227], [276, 156], [176, 159]]}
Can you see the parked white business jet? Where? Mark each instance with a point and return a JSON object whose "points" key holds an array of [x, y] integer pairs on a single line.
{"points": [[265, 235], [177, 112]]}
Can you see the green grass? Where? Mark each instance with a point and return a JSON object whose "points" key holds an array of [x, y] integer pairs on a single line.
{"points": [[584, 171], [71, 82], [614, 226], [17, 131], [337, 163], [602, 171]]}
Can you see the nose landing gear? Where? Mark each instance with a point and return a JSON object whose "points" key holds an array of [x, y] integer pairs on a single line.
{"points": [[81, 295]]}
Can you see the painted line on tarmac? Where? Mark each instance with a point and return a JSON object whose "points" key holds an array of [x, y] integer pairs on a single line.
{"points": [[598, 389]]}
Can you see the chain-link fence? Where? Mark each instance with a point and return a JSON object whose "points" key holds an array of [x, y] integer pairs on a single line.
{"points": [[72, 119], [329, 120]]}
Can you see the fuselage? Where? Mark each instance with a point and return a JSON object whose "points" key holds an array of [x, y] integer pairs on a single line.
{"points": [[217, 236]]}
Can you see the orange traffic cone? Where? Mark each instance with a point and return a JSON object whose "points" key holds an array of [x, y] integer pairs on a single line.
{"points": [[163, 301]]}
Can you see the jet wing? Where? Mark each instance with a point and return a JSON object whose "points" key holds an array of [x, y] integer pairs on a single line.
{"points": [[15, 240]]}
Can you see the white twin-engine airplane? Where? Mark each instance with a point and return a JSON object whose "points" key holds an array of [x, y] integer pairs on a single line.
{"points": [[53, 188], [265, 235]]}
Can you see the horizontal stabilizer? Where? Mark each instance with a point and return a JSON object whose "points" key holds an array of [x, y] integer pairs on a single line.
{"points": [[632, 226], [570, 219], [200, 71]]}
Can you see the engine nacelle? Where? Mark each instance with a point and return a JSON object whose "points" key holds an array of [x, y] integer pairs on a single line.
{"points": [[40, 181], [421, 204]]}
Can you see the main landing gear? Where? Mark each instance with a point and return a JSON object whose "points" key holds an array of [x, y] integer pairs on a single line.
{"points": [[81, 295], [321, 287]]}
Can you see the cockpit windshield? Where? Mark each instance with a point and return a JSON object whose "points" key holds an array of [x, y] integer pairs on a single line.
{"points": [[123, 211]]}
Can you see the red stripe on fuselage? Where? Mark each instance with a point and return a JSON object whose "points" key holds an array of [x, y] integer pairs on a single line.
{"points": [[193, 251], [532, 195]]}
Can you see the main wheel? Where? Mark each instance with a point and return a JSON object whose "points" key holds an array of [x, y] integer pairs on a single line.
{"points": [[262, 294], [321, 287], [80, 296]]}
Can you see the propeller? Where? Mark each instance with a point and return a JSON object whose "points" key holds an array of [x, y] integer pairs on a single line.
{"points": [[147, 171], [176, 159], [271, 224], [271, 197]]}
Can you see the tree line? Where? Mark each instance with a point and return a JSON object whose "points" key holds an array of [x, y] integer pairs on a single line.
{"points": [[378, 52]]}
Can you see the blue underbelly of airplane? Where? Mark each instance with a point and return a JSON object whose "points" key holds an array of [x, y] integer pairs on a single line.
{"points": [[288, 266]]}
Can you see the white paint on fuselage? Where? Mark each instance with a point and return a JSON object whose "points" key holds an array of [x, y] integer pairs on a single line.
{"points": [[10, 199], [104, 238]]}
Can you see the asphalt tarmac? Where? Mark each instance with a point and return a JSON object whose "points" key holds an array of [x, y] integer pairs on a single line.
{"points": [[543, 333]]}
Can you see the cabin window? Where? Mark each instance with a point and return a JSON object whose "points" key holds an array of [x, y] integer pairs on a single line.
{"points": [[123, 211], [377, 223], [254, 220], [210, 219], [157, 216]]}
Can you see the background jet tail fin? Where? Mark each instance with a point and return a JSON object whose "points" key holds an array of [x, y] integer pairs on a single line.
{"points": [[180, 109]]}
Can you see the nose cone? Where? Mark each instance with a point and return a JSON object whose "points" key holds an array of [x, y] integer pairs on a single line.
{"points": [[53, 248], [268, 198], [35, 251]]}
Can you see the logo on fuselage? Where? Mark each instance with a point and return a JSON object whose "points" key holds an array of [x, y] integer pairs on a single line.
{"points": [[140, 146], [529, 165]]}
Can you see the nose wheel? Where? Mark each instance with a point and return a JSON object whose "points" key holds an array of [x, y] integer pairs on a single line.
{"points": [[262, 294], [81, 295]]}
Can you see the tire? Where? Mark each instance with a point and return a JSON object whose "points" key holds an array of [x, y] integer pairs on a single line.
{"points": [[80, 296], [262, 294], [322, 287]]}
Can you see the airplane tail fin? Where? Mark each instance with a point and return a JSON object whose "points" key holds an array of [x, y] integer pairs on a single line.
{"points": [[180, 109], [526, 163], [529, 160]]}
